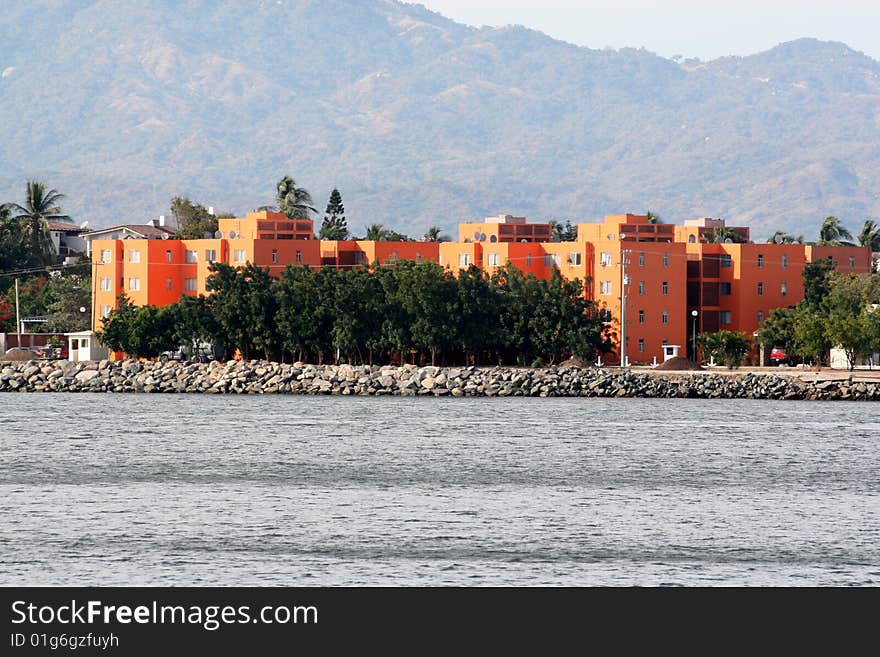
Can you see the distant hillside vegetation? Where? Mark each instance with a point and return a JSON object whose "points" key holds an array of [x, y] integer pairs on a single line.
{"points": [[419, 120]]}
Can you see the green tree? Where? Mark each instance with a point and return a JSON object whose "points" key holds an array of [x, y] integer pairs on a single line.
{"points": [[394, 236], [40, 207], [14, 251], [832, 233], [295, 202], [375, 233], [562, 233], [728, 347], [816, 281], [870, 236], [722, 234], [142, 331], [653, 218], [428, 293], [194, 324], [434, 234], [778, 328], [334, 226], [811, 334], [193, 220], [69, 300], [781, 237], [300, 311], [476, 309]]}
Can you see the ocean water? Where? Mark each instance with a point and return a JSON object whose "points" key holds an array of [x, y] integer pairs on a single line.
{"points": [[103, 489]]}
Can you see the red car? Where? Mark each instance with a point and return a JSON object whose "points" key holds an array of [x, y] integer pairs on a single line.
{"points": [[778, 356]]}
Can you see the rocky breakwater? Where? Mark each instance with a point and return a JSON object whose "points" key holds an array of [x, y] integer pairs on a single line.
{"points": [[260, 377]]}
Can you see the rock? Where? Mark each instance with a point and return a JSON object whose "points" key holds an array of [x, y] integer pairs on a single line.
{"points": [[87, 375]]}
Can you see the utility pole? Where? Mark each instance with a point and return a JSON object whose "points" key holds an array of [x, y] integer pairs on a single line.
{"points": [[624, 280], [17, 315]]}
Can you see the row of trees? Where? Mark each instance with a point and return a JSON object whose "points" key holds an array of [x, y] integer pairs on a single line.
{"points": [[834, 233], [394, 313], [837, 311]]}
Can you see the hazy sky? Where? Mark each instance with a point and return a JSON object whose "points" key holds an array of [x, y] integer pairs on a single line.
{"points": [[692, 28]]}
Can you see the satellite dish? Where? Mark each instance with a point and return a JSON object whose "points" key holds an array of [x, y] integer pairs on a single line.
{"points": [[727, 240], [218, 235], [166, 236], [493, 238], [610, 236], [555, 238], [523, 240], [482, 237], [232, 234], [477, 236], [207, 235], [84, 225]]}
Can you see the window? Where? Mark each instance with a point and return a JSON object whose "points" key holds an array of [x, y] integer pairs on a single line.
{"points": [[299, 257], [105, 285], [605, 259], [642, 288], [852, 262], [784, 261], [605, 287], [240, 255], [169, 284], [134, 284], [274, 255], [665, 259], [760, 316], [393, 257], [493, 259], [106, 255], [551, 260], [418, 257], [641, 317], [665, 288], [190, 284], [192, 256], [725, 260], [724, 289], [134, 256], [574, 258], [168, 256], [642, 259], [726, 317], [528, 259], [464, 259], [641, 345], [760, 289], [210, 255], [760, 261], [105, 310], [664, 317], [84, 344], [783, 289]]}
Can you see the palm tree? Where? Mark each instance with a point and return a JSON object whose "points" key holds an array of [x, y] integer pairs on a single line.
{"points": [[376, 233], [433, 234], [294, 201], [870, 235], [653, 218], [39, 209], [781, 237], [724, 234], [833, 233]]}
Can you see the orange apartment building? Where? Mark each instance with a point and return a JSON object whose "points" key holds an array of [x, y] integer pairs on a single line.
{"points": [[658, 273]]}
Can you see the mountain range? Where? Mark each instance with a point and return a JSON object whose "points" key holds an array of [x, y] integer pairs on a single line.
{"points": [[419, 120]]}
